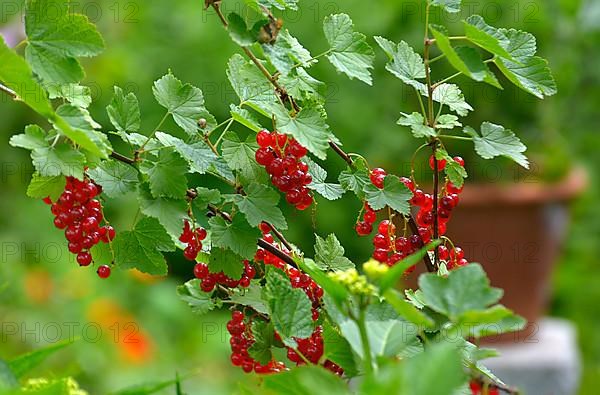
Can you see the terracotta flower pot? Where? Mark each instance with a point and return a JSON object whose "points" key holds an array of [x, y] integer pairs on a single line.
{"points": [[516, 232]]}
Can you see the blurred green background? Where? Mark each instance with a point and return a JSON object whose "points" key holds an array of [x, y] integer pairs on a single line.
{"points": [[40, 284]]}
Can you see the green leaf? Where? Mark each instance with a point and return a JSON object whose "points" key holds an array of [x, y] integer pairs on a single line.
{"points": [[355, 180], [142, 247], [404, 63], [251, 86], [486, 37], [287, 53], [200, 302], [335, 290], [338, 350], [206, 196], [251, 297], [264, 337], [417, 124], [496, 141], [124, 111], [394, 195], [116, 178], [407, 310], [391, 277], [448, 5], [521, 45], [306, 380], [184, 102], [319, 184], [226, 261], [308, 127], [244, 117], [451, 95], [238, 236], [240, 156], [77, 95], [290, 308], [77, 124], [239, 32], [329, 254], [464, 59], [16, 75], [257, 5], [532, 75], [465, 289], [169, 212], [350, 53], [41, 186], [199, 156], [60, 159], [56, 38], [7, 377], [260, 204], [34, 137], [493, 321], [300, 84], [447, 121], [454, 171], [25, 363], [166, 174]]}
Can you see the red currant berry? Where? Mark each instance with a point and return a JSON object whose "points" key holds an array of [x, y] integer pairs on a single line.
{"points": [[381, 241], [441, 164], [103, 271], [263, 138], [370, 216], [363, 228], [380, 254], [418, 198], [201, 271], [457, 253], [264, 156], [459, 160], [408, 182], [84, 258], [386, 227]]}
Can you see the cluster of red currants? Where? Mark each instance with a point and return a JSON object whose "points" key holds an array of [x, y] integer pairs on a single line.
{"points": [[80, 215], [312, 350], [208, 280], [390, 249], [281, 157], [193, 238], [242, 339]]}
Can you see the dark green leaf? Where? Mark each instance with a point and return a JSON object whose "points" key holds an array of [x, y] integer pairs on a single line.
{"points": [[169, 212], [319, 184], [355, 180], [166, 174], [124, 111], [116, 178], [306, 380], [238, 236], [338, 350], [240, 156], [260, 204], [251, 296], [264, 337], [226, 261], [308, 127]]}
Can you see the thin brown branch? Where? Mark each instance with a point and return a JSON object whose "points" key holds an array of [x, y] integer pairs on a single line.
{"points": [[277, 252], [336, 148], [279, 236], [436, 182], [415, 230], [8, 91], [122, 158]]}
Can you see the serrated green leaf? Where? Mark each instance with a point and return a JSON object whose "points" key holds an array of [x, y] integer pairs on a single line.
{"points": [[251, 86], [521, 45], [306, 380], [486, 37], [452, 96], [407, 310], [62, 159], [448, 5], [41, 186], [184, 102], [199, 156], [447, 121], [206, 196], [319, 184], [492, 321], [244, 117], [169, 212], [532, 75], [239, 32], [52, 66], [116, 178], [290, 308], [240, 156], [350, 53], [308, 127], [455, 173], [465, 289], [251, 297], [355, 180], [260, 204], [166, 174], [77, 95], [226, 261], [287, 53], [300, 84], [142, 247], [25, 363], [416, 122], [264, 337], [77, 124], [238, 236], [338, 350], [124, 111], [496, 141], [394, 195], [16, 74], [404, 63], [200, 302], [34, 137], [329, 254]]}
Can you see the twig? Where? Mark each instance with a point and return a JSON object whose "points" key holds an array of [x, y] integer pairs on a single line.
{"points": [[9, 91], [415, 230], [277, 252], [122, 158]]}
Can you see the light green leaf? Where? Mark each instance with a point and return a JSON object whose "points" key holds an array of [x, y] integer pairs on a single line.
{"points": [[355, 180], [454, 171], [16, 74], [142, 247], [23, 364], [290, 308], [416, 122], [260, 204], [496, 141], [532, 75], [166, 174], [264, 337], [251, 296], [407, 310], [287, 53], [521, 45], [464, 289], [319, 184], [34, 137], [200, 302], [77, 95], [60, 159], [41, 186], [77, 124], [350, 53], [169, 212], [492, 321], [199, 156], [308, 127], [239, 32], [306, 380], [124, 111], [300, 84], [238, 236], [251, 86], [184, 102], [52, 66], [447, 121], [329, 254], [206, 196], [486, 37], [394, 195], [226, 261], [404, 63], [451, 95], [239, 155], [338, 350], [448, 5], [245, 117], [116, 178]]}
